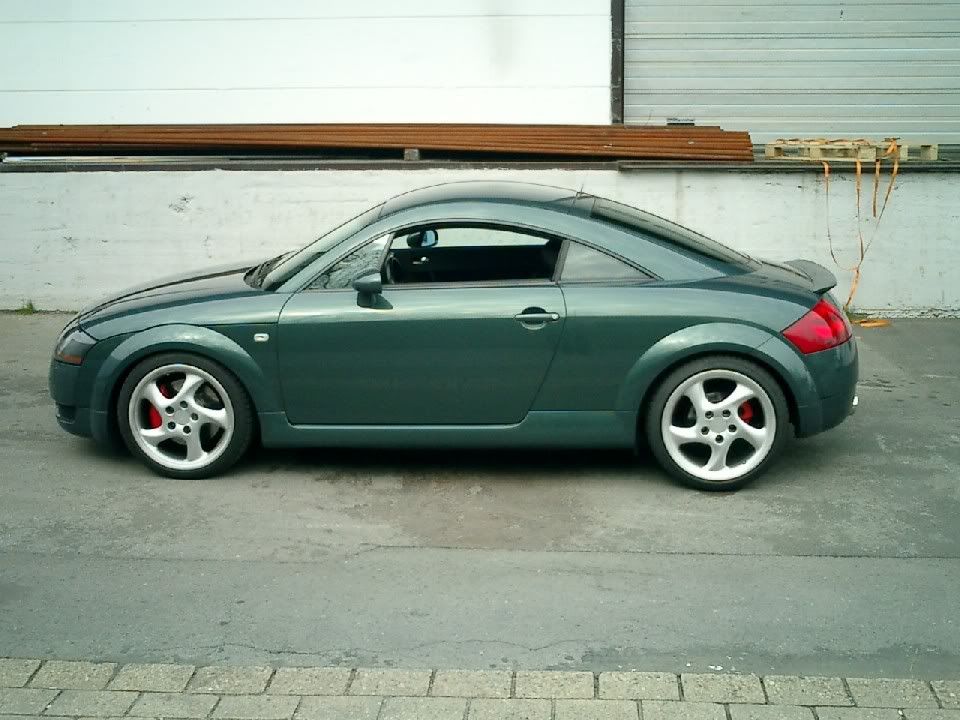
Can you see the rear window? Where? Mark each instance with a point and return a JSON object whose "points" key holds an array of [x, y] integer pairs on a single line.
{"points": [[656, 228]]}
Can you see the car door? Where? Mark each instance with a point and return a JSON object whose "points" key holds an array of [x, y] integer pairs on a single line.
{"points": [[612, 320], [435, 348]]}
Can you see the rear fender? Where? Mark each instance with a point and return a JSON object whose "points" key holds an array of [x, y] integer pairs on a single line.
{"points": [[698, 340], [184, 338]]}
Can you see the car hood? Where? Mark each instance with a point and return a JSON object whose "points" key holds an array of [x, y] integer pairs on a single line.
{"points": [[198, 284], [210, 296]]}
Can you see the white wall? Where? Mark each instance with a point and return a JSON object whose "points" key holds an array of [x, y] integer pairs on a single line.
{"points": [[68, 238], [142, 61]]}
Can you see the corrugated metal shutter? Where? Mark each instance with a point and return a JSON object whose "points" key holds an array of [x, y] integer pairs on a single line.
{"points": [[798, 68]]}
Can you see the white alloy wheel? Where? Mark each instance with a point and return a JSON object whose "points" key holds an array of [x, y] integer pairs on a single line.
{"points": [[181, 417], [718, 425]]}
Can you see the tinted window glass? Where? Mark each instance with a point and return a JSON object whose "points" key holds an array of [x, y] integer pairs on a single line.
{"points": [[458, 254], [363, 260], [658, 229], [586, 264]]}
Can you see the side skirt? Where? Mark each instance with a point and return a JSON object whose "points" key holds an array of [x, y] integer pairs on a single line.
{"points": [[583, 429]]}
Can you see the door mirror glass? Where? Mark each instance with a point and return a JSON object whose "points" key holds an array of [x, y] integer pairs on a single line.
{"points": [[423, 239]]}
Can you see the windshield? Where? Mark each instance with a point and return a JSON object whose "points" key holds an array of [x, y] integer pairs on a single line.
{"points": [[661, 230], [291, 263]]}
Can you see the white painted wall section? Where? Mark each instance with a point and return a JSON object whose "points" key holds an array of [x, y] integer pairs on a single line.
{"points": [[239, 61], [68, 238]]}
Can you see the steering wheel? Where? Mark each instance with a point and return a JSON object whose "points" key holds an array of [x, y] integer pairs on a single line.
{"points": [[392, 269]]}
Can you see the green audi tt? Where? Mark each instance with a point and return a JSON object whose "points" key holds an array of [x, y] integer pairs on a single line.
{"points": [[471, 315]]}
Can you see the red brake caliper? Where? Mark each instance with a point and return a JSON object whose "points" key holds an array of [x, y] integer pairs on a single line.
{"points": [[745, 412], [153, 415]]}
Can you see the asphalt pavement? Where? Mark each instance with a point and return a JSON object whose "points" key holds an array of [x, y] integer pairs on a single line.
{"points": [[843, 560]]}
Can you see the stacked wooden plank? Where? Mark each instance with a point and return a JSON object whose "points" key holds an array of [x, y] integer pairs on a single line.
{"points": [[595, 141], [821, 149]]}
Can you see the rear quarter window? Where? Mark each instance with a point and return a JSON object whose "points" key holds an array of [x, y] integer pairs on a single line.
{"points": [[584, 264], [657, 229]]}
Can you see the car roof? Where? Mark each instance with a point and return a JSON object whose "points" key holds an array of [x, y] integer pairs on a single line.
{"points": [[517, 193]]}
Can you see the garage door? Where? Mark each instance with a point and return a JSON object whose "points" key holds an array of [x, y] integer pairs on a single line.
{"points": [[808, 68]]}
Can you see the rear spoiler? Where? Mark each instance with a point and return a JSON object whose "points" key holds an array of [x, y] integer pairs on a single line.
{"points": [[821, 278]]}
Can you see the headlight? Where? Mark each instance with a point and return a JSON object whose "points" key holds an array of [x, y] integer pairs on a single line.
{"points": [[73, 346]]}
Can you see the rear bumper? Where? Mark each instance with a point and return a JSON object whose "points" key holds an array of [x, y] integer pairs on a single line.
{"points": [[834, 373]]}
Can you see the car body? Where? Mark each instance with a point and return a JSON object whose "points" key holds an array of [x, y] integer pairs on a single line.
{"points": [[466, 315]]}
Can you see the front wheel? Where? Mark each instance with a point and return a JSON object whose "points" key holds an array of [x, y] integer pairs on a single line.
{"points": [[184, 416], [717, 422]]}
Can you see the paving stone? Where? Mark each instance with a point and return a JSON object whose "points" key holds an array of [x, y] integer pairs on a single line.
{"points": [[257, 707], [596, 710], [15, 672], [35, 717], [68, 675], [838, 713], [531, 684], [498, 709], [230, 680], [25, 701], [701, 687], [770, 712], [94, 703], [666, 710], [173, 705], [890, 693], [339, 708], [947, 690], [472, 683], [916, 714], [639, 686], [415, 708], [152, 677], [310, 681], [390, 682], [795, 690]]}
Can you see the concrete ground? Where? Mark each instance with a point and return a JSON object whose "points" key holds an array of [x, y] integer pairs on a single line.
{"points": [[844, 560]]}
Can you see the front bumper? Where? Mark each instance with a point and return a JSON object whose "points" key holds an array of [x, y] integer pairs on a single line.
{"points": [[64, 380]]}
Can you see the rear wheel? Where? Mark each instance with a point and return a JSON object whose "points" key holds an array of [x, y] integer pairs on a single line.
{"points": [[717, 422], [184, 416]]}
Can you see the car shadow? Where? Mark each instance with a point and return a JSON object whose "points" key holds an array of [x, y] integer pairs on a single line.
{"points": [[465, 460]]}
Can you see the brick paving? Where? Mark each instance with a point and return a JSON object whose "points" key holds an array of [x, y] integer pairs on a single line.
{"points": [[32, 688]]}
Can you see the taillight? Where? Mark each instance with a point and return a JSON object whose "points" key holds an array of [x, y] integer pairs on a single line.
{"points": [[822, 328]]}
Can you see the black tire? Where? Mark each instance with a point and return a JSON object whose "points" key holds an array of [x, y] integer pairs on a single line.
{"points": [[657, 404], [243, 428]]}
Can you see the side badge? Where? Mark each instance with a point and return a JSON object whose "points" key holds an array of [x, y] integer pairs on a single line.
{"points": [[261, 337]]}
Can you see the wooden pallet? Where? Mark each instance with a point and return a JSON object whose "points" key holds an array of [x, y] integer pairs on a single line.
{"points": [[819, 150]]}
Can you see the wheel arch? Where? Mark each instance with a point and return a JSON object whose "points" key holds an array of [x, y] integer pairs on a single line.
{"points": [[644, 405], [201, 341], [746, 342]]}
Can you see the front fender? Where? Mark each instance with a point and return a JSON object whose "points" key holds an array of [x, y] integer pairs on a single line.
{"points": [[184, 338], [697, 340]]}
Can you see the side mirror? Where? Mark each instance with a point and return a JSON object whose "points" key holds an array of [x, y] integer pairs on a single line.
{"points": [[370, 284], [423, 239]]}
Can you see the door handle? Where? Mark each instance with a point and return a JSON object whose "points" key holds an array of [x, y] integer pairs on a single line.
{"points": [[537, 317]]}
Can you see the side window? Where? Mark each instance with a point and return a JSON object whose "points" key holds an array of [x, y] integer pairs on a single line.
{"points": [[584, 264], [462, 254], [342, 273]]}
